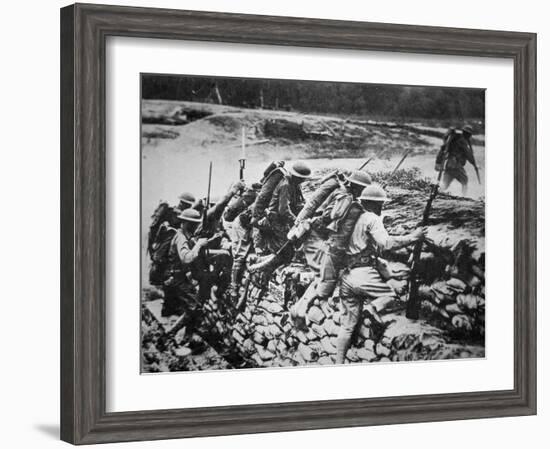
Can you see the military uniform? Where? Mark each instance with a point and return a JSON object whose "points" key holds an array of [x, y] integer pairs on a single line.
{"points": [[272, 177], [237, 220], [457, 150], [159, 249], [179, 291], [286, 202], [361, 282], [339, 217]]}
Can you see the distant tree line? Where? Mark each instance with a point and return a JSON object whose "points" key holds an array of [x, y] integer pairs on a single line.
{"points": [[321, 97]]}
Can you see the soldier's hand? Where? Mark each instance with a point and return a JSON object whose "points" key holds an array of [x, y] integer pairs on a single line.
{"points": [[237, 187], [420, 233], [202, 242]]}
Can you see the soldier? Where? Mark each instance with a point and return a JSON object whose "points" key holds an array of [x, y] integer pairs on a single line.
{"points": [[187, 200], [179, 291], [273, 175], [452, 157], [237, 219], [164, 224], [213, 268], [285, 204], [361, 281], [339, 216]]}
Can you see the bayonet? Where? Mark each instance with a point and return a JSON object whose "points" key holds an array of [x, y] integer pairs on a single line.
{"points": [[242, 160], [397, 167], [365, 163]]}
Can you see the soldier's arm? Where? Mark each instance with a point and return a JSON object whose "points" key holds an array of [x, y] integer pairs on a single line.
{"points": [[463, 147], [185, 253], [469, 152], [284, 203], [216, 211], [388, 242]]}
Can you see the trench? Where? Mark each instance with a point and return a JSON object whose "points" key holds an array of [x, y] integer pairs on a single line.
{"points": [[451, 323]]}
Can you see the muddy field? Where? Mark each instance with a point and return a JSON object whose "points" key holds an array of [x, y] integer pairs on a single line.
{"points": [[178, 141]]}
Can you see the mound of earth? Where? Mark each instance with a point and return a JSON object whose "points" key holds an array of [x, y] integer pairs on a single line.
{"points": [[452, 292]]}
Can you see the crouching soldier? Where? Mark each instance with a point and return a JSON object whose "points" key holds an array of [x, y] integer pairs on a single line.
{"points": [[361, 282], [179, 291], [164, 225], [214, 266]]}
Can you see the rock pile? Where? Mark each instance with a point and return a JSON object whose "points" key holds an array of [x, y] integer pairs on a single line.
{"points": [[451, 325], [266, 334]]}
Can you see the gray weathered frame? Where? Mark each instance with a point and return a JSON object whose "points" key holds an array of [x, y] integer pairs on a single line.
{"points": [[84, 29]]}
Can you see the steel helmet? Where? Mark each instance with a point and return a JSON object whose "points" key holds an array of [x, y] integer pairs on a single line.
{"points": [[468, 129], [249, 194], [187, 198], [360, 177], [191, 215], [300, 170], [374, 192]]}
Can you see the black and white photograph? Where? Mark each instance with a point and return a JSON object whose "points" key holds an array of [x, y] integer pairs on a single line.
{"points": [[292, 222]]}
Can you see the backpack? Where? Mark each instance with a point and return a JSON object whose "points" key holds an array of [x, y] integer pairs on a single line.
{"points": [[273, 174], [160, 253], [160, 215], [451, 136], [327, 185]]}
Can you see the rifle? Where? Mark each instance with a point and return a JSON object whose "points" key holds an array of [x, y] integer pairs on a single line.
{"points": [[206, 206], [242, 160], [474, 162], [365, 163], [477, 174], [405, 154], [267, 260], [413, 301]]}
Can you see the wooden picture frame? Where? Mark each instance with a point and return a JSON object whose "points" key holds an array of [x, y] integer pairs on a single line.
{"points": [[84, 29]]}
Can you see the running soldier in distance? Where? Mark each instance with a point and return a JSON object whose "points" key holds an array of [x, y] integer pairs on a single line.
{"points": [[452, 157]]}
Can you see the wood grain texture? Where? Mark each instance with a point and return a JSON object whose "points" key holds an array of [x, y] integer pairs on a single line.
{"points": [[84, 29]]}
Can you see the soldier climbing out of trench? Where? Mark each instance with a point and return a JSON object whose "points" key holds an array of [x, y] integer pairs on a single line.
{"points": [[280, 216], [340, 213], [361, 281], [237, 218], [213, 268], [456, 151]]}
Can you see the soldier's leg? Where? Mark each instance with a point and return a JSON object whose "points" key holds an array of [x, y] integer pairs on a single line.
{"points": [[352, 308], [241, 249], [462, 178], [369, 285], [446, 180], [259, 241], [221, 275], [329, 272], [350, 319], [172, 304], [298, 310]]}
